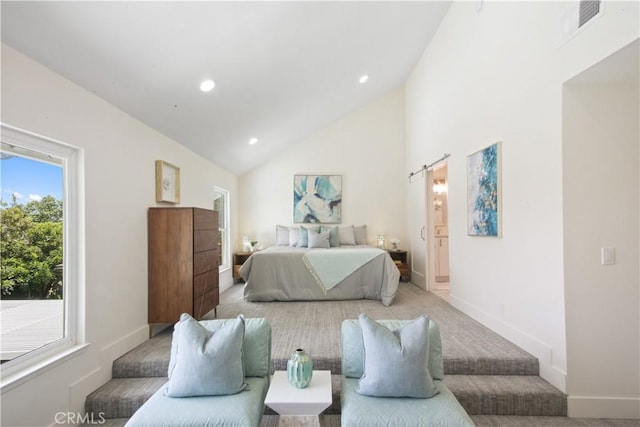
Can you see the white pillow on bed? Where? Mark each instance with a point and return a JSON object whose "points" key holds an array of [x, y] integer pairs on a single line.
{"points": [[319, 240], [346, 235], [294, 233], [282, 235], [361, 234]]}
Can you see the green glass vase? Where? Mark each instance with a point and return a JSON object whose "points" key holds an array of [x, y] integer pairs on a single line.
{"points": [[300, 369]]}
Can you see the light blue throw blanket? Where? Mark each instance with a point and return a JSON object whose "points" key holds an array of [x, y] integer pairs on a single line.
{"points": [[330, 267]]}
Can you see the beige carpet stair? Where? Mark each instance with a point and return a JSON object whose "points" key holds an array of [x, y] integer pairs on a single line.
{"points": [[495, 381], [507, 395], [121, 397]]}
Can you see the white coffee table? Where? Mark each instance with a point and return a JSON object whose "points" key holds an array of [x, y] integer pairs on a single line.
{"points": [[299, 406]]}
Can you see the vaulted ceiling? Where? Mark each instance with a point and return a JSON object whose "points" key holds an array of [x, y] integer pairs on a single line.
{"points": [[282, 70]]}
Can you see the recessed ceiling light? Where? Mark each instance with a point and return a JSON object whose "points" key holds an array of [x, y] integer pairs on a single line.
{"points": [[363, 78], [253, 141], [207, 85]]}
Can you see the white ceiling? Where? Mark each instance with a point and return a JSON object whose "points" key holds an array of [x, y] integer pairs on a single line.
{"points": [[282, 69]]}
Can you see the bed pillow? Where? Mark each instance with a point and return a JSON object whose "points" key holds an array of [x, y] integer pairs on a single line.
{"points": [[334, 240], [282, 235], [360, 234], [319, 240], [294, 233], [206, 363], [395, 364], [346, 235], [303, 237]]}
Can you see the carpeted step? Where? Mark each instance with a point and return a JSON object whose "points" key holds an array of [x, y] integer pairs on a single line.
{"points": [[507, 395], [530, 421], [332, 364], [519, 364], [325, 420], [516, 364], [121, 397], [110, 422], [149, 359]]}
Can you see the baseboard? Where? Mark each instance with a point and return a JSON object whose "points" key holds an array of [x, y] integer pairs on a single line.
{"points": [[418, 279], [529, 343], [603, 407], [112, 351], [226, 280], [80, 389]]}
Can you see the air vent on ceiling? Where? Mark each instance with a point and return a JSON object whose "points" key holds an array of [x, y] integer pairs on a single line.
{"points": [[588, 9], [580, 13]]}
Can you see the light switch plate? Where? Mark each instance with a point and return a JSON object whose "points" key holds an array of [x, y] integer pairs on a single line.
{"points": [[608, 256]]}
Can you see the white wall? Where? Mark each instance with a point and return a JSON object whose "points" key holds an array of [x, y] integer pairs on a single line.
{"points": [[496, 75], [120, 154], [601, 209], [366, 148]]}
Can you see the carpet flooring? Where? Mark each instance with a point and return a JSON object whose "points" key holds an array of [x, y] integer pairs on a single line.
{"points": [[468, 347], [495, 381]]}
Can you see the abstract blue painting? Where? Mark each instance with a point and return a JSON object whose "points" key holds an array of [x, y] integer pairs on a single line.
{"points": [[483, 192], [317, 199]]}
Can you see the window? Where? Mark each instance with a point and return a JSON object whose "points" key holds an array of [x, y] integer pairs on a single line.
{"points": [[41, 249], [221, 204]]}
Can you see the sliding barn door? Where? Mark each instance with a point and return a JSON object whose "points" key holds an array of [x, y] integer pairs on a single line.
{"points": [[418, 228]]}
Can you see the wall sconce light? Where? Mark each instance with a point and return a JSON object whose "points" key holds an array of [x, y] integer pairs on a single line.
{"points": [[439, 186]]}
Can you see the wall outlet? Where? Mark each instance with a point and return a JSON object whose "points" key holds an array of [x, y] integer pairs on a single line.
{"points": [[608, 256]]}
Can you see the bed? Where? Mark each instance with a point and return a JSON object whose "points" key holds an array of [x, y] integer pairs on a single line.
{"points": [[284, 273]]}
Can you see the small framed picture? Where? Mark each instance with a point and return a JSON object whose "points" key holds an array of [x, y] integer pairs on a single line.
{"points": [[167, 182]]}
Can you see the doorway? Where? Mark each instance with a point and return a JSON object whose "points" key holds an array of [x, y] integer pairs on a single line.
{"points": [[439, 243]]}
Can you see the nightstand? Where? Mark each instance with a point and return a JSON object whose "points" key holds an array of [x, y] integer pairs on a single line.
{"points": [[399, 257], [239, 258]]}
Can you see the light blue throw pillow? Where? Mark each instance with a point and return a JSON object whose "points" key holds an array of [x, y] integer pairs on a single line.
{"points": [[395, 364], [303, 237], [206, 363], [319, 240]]}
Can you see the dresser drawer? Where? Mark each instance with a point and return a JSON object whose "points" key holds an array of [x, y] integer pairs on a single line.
{"points": [[205, 261], [205, 282], [205, 303], [204, 219], [205, 240]]}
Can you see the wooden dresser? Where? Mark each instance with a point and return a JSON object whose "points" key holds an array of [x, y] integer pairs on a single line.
{"points": [[183, 263]]}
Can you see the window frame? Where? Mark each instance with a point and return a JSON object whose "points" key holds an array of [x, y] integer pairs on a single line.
{"points": [[226, 241], [72, 158]]}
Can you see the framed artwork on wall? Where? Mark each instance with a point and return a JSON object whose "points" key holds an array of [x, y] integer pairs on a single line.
{"points": [[167, 182], [484, 194], [317, 199]]}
